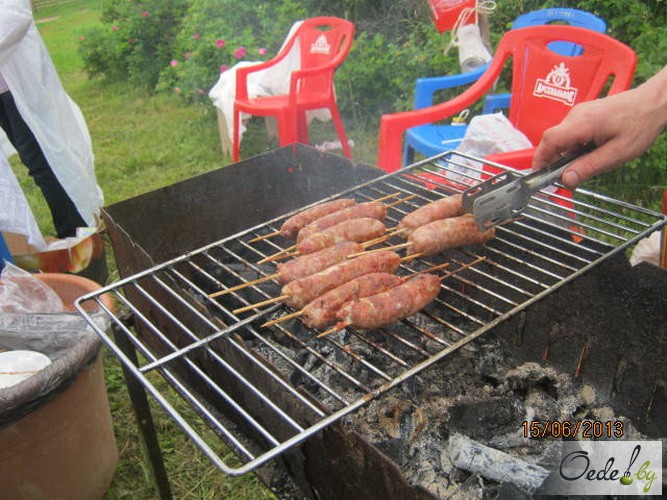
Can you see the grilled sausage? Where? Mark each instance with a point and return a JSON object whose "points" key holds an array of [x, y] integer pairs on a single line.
{"points": [[443, 234], [300, 292], [357, 230], [443, 208], [321, 312], [293, 225], [373, 209], [305, 265], [392, 305]]}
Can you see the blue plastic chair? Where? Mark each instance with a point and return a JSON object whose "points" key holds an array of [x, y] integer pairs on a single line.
{"points": [[430, 140]]}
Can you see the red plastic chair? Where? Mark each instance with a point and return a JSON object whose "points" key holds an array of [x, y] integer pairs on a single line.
{"points": [[545, 86], [323, 44]]}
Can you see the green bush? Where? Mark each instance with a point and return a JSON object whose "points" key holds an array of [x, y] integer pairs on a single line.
{"points": [[135, 42], [210, 41]]}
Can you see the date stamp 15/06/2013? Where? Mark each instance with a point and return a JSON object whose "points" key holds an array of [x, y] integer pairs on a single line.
{"points": [[584, 429]]}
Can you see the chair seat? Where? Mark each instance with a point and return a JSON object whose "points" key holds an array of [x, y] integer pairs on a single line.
{"points": [[270, 105], [432, 140]]}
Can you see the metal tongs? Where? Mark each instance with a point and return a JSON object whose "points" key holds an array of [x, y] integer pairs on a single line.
{"points": [[503, 197]]}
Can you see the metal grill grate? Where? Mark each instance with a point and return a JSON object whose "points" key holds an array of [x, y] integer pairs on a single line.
{"points": [[264, 390]]}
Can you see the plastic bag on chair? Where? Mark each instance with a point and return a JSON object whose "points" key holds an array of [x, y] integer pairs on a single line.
{"points": [[487, 134]]}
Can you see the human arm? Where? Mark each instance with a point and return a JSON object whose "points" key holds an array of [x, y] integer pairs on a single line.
{"points": [[622, 126]]}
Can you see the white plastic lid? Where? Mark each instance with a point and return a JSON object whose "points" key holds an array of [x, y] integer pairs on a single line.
{"points": [[16, 366]]}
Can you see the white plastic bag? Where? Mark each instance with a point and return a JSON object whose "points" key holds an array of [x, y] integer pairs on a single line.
{"points": [[487, 134], [647, 250], [15, 213], [21, 292], [53, 117]]}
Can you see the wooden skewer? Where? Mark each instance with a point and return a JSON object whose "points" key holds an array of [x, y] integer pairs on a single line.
{"points": [[429, 270], [260, 304], [387, 236], [398, 202], [335, 328], [274, 258], [277, 255], [283, 318], [263, 237], [466, 266], [414, 256], [392, 195], [392, 247], [243, 285]]}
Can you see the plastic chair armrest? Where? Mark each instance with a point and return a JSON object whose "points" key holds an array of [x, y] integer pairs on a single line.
{"points": [[426, 87], [393, 126], [520, 159]]}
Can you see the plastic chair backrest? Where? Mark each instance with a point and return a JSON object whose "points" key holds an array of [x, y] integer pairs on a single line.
{"points": [[324, 43], [546, 85], [559, 15]]}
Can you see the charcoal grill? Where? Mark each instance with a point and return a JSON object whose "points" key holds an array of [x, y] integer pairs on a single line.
{"points": [[264, 390]]}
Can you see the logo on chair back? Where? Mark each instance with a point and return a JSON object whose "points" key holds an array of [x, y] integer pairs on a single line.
{"points": [[321, 46], [556, 86]]}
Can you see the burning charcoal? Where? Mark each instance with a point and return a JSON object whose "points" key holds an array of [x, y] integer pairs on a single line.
{"points": [[486, 418], [393, 448]]}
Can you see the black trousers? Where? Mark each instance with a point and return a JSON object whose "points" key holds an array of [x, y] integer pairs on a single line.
{"points": [[66, 217]]}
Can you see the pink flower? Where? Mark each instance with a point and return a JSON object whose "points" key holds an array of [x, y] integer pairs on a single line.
{"points": [[114, 28], [145, 13], [201, 91], [177, 90], [261, 51], [81, 38], [186, 55], [223, 68], [240, 52], [196, 36], [173, 63], [220, 43]]}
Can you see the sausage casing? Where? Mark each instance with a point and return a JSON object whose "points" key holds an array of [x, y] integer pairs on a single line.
{"points": [[443, 234], [372, 209], [444, 208], [291, 227], [392, 305], [300, 292], [305, 265], [321, 312], [357, 230]]}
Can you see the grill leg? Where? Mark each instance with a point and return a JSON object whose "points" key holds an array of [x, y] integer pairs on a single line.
{"points": [[142, 413]]}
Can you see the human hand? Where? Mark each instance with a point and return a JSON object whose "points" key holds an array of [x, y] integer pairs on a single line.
{"points": [[622, 126]]}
